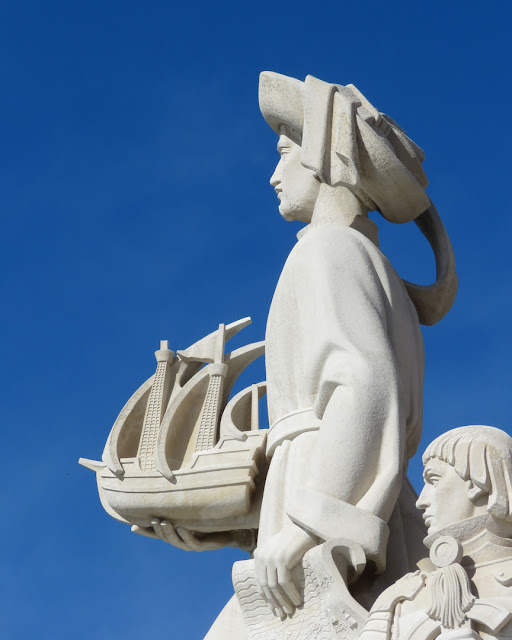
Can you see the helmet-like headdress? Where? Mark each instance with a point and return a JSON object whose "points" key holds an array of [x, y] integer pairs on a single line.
{"points": [[347, 142]]}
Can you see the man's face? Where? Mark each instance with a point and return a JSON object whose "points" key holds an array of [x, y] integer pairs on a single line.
{"points": [[296, 187], [445, 496]]}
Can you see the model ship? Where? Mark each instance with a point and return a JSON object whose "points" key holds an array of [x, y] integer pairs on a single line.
{"points": [[180, 450]]}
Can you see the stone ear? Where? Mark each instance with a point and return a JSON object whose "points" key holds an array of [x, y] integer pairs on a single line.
{"points": [[474, 491]]}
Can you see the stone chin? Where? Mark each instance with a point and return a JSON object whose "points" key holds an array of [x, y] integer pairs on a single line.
{"points": [[291, 216], [284, 214], [462, 530]]}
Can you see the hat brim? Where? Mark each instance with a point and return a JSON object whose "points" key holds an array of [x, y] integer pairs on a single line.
{"points": [[281, 101]]}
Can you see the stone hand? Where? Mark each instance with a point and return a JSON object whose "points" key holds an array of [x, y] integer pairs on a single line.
{"points": [[188, 541], [274, 562]]}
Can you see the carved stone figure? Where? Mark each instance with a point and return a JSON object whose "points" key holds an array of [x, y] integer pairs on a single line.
{"points": [[344, 353], [321, 496], [465, 591]]}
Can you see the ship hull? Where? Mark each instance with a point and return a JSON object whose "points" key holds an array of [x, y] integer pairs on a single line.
{"points": [[217, 492]]}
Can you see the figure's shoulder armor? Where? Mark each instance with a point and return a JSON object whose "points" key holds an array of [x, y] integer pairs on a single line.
{"points": [[494, 578], [406, 588]]}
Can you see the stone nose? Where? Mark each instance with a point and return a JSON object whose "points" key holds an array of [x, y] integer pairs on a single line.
{"points": [[275, 179], [422, 502]]}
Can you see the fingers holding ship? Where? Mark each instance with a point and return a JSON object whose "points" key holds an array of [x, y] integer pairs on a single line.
{"points": [[183, 538]]}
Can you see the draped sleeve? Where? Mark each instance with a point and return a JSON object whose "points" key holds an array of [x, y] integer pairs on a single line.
{"points": [[350, 304]]}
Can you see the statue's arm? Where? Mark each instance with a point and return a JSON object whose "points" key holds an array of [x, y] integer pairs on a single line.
{"points": [[350, 471], [354, 473]]}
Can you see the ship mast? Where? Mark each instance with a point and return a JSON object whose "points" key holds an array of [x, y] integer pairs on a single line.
{"points": [[206, 435], [155, 408]]}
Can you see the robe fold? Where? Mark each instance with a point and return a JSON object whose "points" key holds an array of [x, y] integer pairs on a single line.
{"points": [[345, 362]]}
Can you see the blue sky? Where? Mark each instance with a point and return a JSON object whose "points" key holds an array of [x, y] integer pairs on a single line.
{"points": [[136, 207]]}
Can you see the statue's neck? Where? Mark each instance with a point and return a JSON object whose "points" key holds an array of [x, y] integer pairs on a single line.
{"points": [[479, 536], [339, 205]]}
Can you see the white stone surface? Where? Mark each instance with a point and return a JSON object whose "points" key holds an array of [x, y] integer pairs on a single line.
{"points": [[324, 489], [181, 462], [359, 153], [343, 344], [464, 592]]}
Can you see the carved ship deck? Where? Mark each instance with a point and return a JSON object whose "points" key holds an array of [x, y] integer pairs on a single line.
{"points": [[179, 450]]}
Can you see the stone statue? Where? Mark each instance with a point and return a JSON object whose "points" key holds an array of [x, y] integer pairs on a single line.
{"points": [[344, 353], [321, 497], [465, 592]]}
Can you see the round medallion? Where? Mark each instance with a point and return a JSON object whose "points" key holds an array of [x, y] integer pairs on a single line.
{"points": [[445, 551]]}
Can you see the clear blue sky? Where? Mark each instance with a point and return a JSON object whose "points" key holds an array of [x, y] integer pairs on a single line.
{"points": [[136, 207]]}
